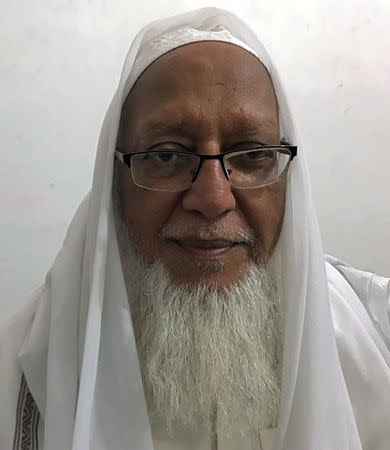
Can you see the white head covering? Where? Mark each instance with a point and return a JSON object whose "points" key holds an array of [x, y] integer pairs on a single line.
{"points": [[80, 358]]}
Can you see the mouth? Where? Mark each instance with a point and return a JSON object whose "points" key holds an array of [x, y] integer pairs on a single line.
{"points": [[206, 249]]}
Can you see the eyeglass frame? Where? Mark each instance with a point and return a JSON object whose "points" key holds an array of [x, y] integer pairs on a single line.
{"points": [[125, 158]]}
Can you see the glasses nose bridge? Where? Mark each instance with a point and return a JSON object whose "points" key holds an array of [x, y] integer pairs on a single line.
{"points": [[219, 157]]}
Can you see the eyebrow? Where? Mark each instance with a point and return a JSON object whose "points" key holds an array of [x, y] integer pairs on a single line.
{"points": [[241, 128], [245, 129], [155, 129]]}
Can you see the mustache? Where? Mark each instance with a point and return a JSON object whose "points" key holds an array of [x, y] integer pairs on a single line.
{"points": [[218, 231]]}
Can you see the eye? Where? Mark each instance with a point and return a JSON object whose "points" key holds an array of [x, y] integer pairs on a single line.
{"points": [[260, 155], [252, 160], [162, 157], [166, 156], [248, 145], [168, 146]]}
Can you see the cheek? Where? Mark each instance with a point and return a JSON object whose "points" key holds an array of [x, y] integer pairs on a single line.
{"points": [[145, 213], [264, 209]]}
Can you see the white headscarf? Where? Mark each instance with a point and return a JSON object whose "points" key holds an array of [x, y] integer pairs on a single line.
{"points": [[80, 359]]}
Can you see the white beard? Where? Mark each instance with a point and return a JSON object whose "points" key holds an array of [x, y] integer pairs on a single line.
{"points": [[205, 349]]}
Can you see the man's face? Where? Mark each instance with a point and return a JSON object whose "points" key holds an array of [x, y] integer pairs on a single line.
{"points": [[206, 97]]}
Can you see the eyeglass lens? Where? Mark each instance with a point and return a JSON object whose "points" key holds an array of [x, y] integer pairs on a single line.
{"points": [[256, 167], [170, 170]]}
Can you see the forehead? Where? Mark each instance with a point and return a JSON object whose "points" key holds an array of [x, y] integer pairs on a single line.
{"points": [[201, 81]]}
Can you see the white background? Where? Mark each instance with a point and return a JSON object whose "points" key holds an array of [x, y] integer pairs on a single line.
{"points": [[60, 62]]}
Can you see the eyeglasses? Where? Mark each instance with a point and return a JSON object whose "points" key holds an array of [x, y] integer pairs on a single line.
{"points": [[175, 170]]}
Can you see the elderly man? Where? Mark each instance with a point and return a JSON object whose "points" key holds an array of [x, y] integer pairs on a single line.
{"points": [[191, 306]]}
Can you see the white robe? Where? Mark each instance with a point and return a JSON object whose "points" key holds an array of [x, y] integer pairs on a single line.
{"points": [[360, 304]]}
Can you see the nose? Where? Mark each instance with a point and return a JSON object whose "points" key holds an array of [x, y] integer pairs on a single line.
{"points": [[211, 193]]}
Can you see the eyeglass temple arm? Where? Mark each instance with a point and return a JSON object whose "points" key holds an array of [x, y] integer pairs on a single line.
{"points": [[293, 150], [124, 158], [119, 155]]}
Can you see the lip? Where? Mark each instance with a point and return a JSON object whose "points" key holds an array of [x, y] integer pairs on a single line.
{"points": [[207, 249]]}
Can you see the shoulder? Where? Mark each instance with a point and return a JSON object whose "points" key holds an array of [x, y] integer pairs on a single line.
{"points": [[13, 332], [366, 294], [360, 306], [359, 302]]}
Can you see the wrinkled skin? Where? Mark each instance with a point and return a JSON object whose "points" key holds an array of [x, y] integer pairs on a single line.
{"points": [[210, 97]]}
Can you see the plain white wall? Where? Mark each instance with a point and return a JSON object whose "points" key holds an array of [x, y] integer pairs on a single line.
{"points": [[59, 65]]}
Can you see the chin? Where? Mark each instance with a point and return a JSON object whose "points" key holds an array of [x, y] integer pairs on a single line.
{"points": [[216, 274]]}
